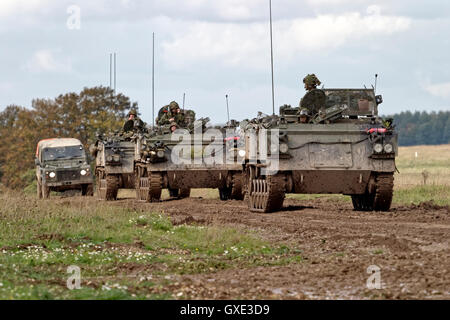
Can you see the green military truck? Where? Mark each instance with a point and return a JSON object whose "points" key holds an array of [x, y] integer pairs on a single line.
{"points": [[61, 165]]}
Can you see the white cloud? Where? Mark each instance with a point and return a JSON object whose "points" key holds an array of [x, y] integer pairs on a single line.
{"points": [[246, 45], [45, 61], [12, 7], [441, 90]]}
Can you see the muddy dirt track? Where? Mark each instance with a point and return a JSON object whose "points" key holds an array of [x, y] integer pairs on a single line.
{"points": [[410, 245]]}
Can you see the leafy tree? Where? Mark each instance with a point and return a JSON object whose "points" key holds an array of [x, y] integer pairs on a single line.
{"points": [[71, 115]]}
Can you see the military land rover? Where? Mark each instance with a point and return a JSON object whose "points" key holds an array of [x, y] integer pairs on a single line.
{"points": [[61, 165]]}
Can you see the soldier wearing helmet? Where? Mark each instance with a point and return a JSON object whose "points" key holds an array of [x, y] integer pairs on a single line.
{"points": [[133, 123], [171, 115], [311, 82], [314, 99], [304, 116]]}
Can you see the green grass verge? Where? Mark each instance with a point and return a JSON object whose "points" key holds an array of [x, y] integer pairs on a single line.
{"points": [[122, 253], [438, 194]]}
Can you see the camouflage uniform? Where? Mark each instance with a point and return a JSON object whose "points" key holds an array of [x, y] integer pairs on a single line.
{"points": [[133, 125], [314, 99], [170, 112]]}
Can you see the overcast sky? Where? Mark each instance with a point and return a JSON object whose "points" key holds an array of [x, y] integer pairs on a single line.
{"points": [[209, 48]]}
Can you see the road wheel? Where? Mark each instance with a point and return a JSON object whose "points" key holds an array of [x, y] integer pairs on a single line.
{"points": [[174, 193], [39, 190], [45, 191], [224, 193], [184, 193], [237, 192]]}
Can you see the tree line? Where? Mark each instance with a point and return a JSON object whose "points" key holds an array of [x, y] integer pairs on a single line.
{"points": [[423, 128], [75, 115]]}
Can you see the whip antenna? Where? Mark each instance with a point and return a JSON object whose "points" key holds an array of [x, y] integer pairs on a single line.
{"points": [[228, 110], [153, 79], [271, 57]]}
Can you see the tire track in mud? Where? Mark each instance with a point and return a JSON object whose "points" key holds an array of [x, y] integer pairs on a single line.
{"points": [[410, 245]]}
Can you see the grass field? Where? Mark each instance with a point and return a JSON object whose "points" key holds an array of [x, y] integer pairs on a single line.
{"points": [[124, 253]]}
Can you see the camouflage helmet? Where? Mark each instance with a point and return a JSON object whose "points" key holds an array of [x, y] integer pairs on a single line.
{"points": [[173, 105], [132, 112], [312, 80]]}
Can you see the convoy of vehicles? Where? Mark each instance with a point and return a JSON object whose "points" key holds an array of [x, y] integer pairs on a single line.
{"points": [[343, 148]]}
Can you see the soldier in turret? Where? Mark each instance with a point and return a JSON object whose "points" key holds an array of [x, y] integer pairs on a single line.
{"points": [[172, 114], [314, 99], [133, 123]]}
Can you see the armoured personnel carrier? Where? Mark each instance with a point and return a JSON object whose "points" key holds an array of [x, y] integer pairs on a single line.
{"points": [[114, 163], [344, 147], [61, 165], [193, 157]]}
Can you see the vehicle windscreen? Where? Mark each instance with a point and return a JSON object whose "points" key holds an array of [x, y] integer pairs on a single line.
{"points": [[62, 153]]}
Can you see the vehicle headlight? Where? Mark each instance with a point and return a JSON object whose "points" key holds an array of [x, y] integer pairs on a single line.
{"points": [[284, 148], [160, 154], [109, 159], [274, 148], [242, 153], [388, 148], [52, 175], [83, 172], [116, 158], [378, 148]]}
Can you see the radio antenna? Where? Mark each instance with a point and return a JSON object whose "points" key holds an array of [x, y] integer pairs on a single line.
{"points": [[153, 79], [115, 72], [271, 58], [376, 80], [110, 70], [228, 110], [184, 99]]}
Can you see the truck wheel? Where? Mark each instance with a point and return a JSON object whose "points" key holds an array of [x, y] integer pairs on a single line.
{"points": [[45, 192], [87, 190], [39, 190]]}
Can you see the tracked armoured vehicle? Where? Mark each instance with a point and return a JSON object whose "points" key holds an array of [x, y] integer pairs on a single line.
{"points": [[114, 164], [188, 158], [343, 148]]}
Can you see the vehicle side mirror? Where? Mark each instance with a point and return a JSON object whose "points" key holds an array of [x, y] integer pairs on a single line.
{"points": [[379, 99], [37, 162]]}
